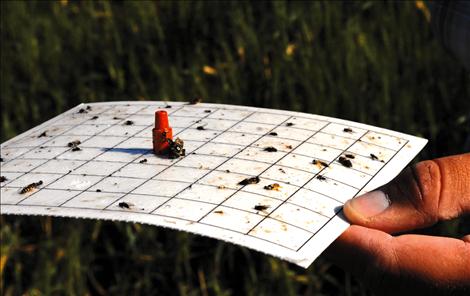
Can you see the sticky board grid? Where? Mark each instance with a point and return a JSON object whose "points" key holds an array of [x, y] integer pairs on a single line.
{"points": [[115, 175]]}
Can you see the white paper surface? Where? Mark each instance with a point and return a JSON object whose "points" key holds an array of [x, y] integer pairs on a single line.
{"points": [[199, 193]]}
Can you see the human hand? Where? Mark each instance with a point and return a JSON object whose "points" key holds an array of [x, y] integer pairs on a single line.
{"points": [[410, 264]]}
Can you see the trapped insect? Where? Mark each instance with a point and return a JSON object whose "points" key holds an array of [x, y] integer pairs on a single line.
{"points": [[30, 187]]}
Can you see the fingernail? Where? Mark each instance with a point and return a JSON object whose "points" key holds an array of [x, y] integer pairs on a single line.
{"points": [[371, 203]]}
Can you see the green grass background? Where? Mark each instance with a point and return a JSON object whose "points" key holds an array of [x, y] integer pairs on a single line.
{"points": [[368, 61]]}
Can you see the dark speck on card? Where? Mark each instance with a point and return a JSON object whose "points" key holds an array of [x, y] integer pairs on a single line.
{"points": [[82, 111], [94, 117], [273, 134], [207, 111], [30, 187], [200, 128], [143, 160], [168, 106], [128, 122], [124, 205], [3, 179], [347, 130], [98, 190], [261, 207], [345, 162], [218, 212], [321, 178], [247, 181], [43, 134], [351, 156], [289, 124], [270, 149]]}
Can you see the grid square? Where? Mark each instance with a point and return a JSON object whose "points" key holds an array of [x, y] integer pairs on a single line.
{"points": [[53, 130], [48, 197], [222, 179], [287, 175], [258, 154], [116, 184], [300, 217], [329, 140], [230, 114], [306, 123], [182, 122], [318, 152], [27, 179], [316, 202], [198, 135], [193, 111], [30, 141], [280, 233], [122, 130], [365, 164], [283, 192], [248, 201], [300, 162], [344, 130], [178, 208], [332, 188], [214, 124], [260, 117], [293, 133], [367, 150], [236, 138], [10, 153], [136, 144], [161, 188], [74, 182], [219, 149], [285, 145], [120, 154], [206, 193], [181, 174], [100, 168], [104, 119], [137, 170], [83, 154], [63, 141], [44, 152], [86, 130], [124, 109], [92, 200], [383, 140], [139, 203], [201, 161], [347, 175], [252, 128], [242, 166], [141, 119], [102, 141], [147, 132], [21, 165], [232, 219]]}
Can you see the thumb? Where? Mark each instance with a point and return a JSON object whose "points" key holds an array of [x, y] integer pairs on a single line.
{"points": [[419, 197]]}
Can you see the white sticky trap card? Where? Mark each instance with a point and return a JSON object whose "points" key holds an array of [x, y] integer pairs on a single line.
{"points": [[269, 180]]}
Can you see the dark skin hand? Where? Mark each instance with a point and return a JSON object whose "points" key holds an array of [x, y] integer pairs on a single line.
{"points": [[410, 264]]}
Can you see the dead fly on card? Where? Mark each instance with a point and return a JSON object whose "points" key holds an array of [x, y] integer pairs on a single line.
{"points": [[247, 181], [175, 148], [31, 187]]}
